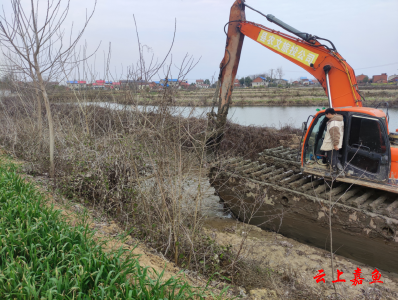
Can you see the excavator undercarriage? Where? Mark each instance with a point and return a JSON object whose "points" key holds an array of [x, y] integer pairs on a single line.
{"points": [[273, 194]]}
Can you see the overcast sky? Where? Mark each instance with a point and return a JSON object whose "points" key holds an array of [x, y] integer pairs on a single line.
{"points": [[363, 31]]}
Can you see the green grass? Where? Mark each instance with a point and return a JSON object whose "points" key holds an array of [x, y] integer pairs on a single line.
{"points": [[42, 257]]}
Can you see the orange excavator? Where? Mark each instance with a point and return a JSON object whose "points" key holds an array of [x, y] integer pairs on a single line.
{"points": [[370, 152]]}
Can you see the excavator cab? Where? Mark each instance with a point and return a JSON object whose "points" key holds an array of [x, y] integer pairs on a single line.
{"points": [[365, 154]]}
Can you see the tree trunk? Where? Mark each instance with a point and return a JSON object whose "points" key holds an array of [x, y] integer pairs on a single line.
{"points": [[50, 121], [39, 120], [36, 87]]}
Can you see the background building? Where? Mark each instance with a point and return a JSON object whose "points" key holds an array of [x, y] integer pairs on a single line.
{"points": [[259, 81], [380, 78]]}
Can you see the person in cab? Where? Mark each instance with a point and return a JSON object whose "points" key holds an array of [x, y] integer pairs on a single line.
{"points": [[333, 140]]}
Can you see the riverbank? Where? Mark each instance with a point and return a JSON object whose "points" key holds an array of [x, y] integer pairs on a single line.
{"points": [[135, 168], [269, 265], [242, 97]]}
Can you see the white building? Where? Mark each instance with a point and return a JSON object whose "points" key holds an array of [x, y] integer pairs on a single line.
{"points": [[393, 78], [281, 81]]}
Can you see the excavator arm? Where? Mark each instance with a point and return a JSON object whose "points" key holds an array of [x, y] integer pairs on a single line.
{"points": [[334, 74]]}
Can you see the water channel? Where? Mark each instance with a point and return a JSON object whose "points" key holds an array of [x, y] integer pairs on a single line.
{"points": [[274, 116]]}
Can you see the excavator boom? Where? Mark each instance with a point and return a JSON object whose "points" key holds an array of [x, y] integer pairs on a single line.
{"points": [[332, 71], [313, 57]]}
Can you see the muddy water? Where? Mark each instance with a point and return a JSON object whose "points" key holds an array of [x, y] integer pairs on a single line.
{"points": [[211, 205]]}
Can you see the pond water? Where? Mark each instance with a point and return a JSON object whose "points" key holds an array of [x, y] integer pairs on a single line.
{"points": [[275, 116]]}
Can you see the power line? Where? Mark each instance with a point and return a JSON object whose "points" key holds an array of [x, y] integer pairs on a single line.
{"points": [[378, 66], [395, 63], [354, 68]]}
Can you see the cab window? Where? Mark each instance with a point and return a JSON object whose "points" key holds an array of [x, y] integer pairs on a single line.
{"points": [[367, 134]]}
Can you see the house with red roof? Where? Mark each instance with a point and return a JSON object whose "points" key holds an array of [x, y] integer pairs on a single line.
{"points": [[152, 85], [361, 77], [98, 85], [82, 84], [304, 81], [380, 78], [200, 83], [184, 84], [260, 81]]}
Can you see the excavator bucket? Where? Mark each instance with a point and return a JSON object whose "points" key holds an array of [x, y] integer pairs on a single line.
{"points": [[229, 64]]}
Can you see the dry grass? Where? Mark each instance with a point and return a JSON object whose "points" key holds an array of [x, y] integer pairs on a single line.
{"points": [[133, 166], [294, 96]]}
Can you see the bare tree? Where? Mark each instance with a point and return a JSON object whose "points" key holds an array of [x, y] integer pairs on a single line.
{"points": [[279, 72], [35, 46], [271, 74]]}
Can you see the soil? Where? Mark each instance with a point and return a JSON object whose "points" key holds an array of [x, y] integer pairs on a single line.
{"points": [[299, 262]]}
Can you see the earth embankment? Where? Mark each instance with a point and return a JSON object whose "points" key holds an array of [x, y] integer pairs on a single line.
{"points": [[294, 96]]}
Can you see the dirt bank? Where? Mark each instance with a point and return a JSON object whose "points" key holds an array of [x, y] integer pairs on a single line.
{"points": [[294, 96], [297, 263]]}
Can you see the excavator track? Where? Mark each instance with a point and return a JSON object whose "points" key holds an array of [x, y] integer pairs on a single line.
{"points": [[272, 193]]}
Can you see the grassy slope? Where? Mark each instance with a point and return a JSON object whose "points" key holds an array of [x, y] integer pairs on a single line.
{"points": [[42, 257]]}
